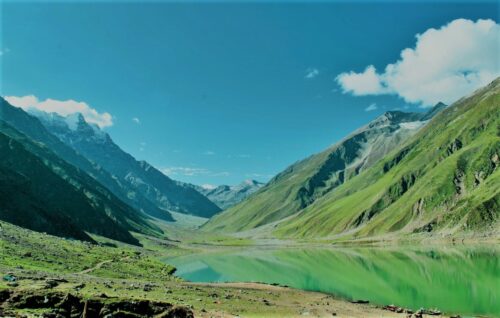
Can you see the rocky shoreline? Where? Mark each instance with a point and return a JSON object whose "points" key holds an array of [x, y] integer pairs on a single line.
{"points": [[60, 305]]}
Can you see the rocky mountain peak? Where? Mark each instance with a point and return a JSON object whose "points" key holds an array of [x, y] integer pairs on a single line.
{"points": [[394, 117], [71, 127]]}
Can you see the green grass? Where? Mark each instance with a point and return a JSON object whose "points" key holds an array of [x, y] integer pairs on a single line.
{"points": [[307, 180], [276, 200], [39, 252]]}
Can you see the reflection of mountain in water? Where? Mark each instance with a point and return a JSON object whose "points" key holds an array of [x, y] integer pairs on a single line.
{"points": [[453, 280]]}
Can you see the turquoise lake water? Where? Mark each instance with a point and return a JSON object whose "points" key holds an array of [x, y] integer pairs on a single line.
{"points": [[460, 280]]}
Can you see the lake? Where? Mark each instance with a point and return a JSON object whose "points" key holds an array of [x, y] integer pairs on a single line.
{"points": [[460, 280]]}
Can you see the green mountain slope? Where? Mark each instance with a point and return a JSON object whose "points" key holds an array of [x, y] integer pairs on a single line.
{"points": [[42, 192], [33, 128], [304, 182], [445, 180]]}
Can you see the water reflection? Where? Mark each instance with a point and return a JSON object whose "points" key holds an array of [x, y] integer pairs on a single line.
{"points": [[456, 280]]}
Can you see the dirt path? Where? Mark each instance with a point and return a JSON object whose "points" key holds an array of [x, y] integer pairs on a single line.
{"points": [[98, 265]]}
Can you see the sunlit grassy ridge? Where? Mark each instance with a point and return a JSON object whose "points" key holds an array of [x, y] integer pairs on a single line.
{"points": [[279, 197], [305, 181], [445, 179]]}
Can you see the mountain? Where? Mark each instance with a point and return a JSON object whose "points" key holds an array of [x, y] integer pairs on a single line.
{"points": [[33, 128], [139, 177], [436, 109], [43, 192], [444, 180], [302, 183], [226, 196]]}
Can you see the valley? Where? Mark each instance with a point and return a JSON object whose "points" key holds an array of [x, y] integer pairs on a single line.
{"points": [[398, 219]]}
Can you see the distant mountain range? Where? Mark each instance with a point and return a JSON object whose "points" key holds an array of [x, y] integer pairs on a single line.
{"points": [[226, 196], [34, 129], [139, 178], [402, 173], [84, 152]]}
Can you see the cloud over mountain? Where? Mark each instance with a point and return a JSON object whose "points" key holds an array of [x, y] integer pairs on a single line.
{"points": [[192, 171], [444, 64], [63, 108]]}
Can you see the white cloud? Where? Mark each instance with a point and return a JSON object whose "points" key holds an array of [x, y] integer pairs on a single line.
{"points": [[209, 153], [259, 175], [142, 146], [185, 171], [136, 120], [366, 83], [4, 51], [371, 107], [311, 73], [445, 64], [63, 108], [219, 174], [208, 186], [192, 171]]}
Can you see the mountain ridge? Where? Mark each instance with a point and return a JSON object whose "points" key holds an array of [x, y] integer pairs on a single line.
{"points": [[32, 127], [75, 203], [139, 176], [300, 184], [442, 181]]}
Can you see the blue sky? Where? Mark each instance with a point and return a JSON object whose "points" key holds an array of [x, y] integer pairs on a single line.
{"points": [[215, 93]]}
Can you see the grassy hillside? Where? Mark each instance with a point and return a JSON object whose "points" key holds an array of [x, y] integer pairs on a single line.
{"points": [[445, 179], [42, 192], [304, 182]]}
